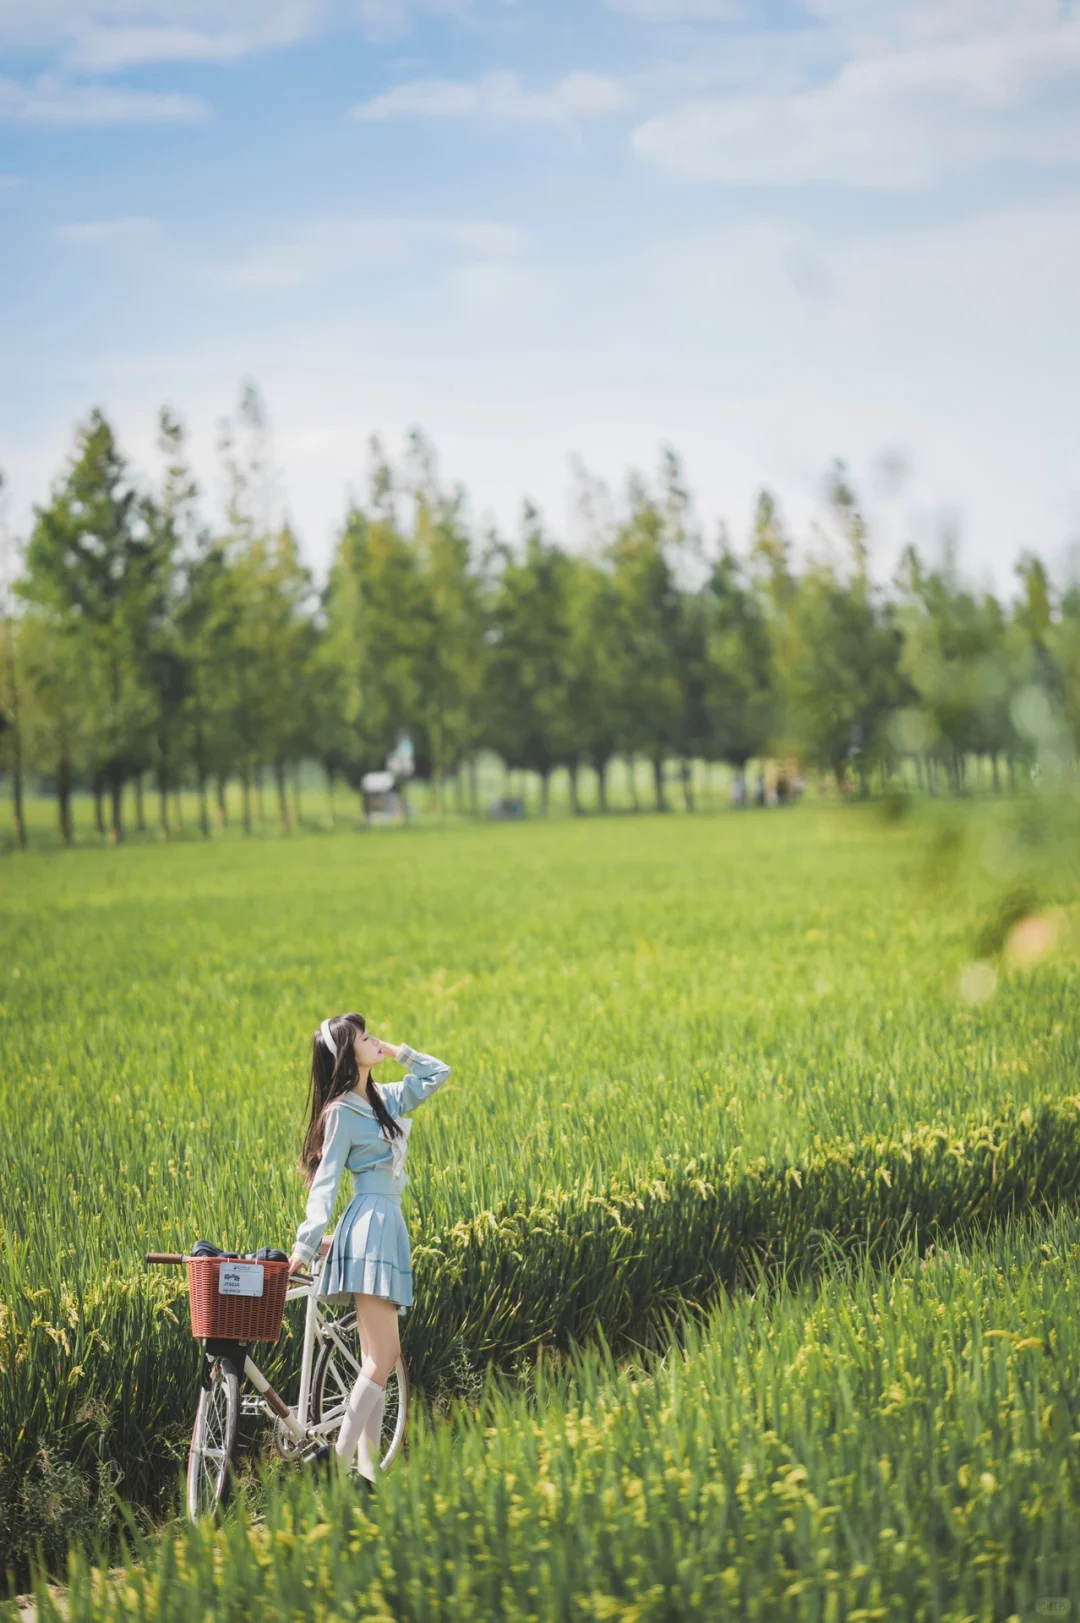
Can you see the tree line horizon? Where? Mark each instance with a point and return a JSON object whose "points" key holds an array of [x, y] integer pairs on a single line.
{"points": [[140, 639]]}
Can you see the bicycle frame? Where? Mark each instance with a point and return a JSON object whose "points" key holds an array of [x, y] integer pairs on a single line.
{"points": [[318, 1327]]}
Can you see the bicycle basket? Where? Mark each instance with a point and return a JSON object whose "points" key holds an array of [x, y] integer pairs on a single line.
{"points": [[233, 1299]]}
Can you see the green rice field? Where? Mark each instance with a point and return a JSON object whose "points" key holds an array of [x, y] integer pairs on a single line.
{"points": [[721, 1078]]}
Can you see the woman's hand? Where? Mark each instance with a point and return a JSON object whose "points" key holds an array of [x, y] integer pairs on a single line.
{"points": [[389, 1050], [298, 1264]]}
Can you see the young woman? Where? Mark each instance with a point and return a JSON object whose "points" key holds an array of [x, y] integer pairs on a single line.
{"points": [[356, 1124]]}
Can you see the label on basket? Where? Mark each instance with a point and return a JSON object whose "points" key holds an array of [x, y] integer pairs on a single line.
{"points": [[240, 1279]]}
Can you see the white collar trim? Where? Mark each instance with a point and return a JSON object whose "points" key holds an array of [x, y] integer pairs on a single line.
{"points": [[356, 1103]]}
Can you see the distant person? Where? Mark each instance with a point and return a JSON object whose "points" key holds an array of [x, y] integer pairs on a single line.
{"points": [[759, 792], [354, 1123], [781, 788], [738, 788]]}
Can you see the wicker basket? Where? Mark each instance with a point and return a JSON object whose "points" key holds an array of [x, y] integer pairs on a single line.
{"points": [[227, 1317]]}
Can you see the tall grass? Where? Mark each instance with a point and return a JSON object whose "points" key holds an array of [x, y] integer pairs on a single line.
{"points": [[893, 1444], [628, 1007]]}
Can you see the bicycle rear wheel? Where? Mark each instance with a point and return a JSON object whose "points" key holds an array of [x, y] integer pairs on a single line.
{"points": [[213, 1439], [335, 1373]]}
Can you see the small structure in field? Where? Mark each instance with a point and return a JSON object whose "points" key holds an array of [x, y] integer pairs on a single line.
{"points": [[505, 808], [383, 802]]}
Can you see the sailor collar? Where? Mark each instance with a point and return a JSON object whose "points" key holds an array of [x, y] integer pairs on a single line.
{"points": [[355, 1104]]}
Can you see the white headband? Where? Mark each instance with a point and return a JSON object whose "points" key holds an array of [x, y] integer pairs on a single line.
{"points": [[324, 1033]]}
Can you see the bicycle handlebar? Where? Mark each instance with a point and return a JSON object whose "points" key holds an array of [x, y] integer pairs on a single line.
{"points": [[163, 1258]]}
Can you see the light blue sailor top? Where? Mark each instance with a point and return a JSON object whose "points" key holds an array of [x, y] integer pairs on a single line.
{"points": [[353, 1138]]}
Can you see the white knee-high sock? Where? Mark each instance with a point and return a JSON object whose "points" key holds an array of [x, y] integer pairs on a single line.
{"points": [[364, 1395], [370, 1445]]}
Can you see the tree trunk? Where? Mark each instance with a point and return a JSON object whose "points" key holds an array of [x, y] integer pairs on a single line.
{"points": [[687, 784], [178, 806], [329, 795], [601, 783], [17, 797], [222, 809], [575, 797], [994, 774], [116, 792], [245, 784], [630, 764], [474, 788], [296, 794], [283, 802], [63, 802], [16, 744], [99, 806], [163, 802], [140, 814], [545, 790], [260, 804], [204, 809], [658, 783], [437, 769], [1011, 762]]}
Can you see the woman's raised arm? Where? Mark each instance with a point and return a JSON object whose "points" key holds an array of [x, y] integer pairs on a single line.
{"points": [[426, 1075]]}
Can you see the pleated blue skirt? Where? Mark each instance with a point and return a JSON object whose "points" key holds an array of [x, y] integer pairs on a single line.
{"points": [[369, 1253]]}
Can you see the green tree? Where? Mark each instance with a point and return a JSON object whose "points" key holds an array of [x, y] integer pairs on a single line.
{"points": [[593, 673], [835, 647], [954, 657], [11, 707], [448, 646], [59, 708], [93, 560], [739, 695], [379, 614], [528, 716], [653, 707]]}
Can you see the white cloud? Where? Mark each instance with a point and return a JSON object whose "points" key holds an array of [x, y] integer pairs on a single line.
{"points": [[104, 231], [425, 98], [680, 10], [98, 49], [103, 36], [893, 117], [499, 95], [50, 101], [323, 249]]}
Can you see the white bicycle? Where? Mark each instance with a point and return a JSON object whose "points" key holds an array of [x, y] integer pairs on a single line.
{"points": [[329, 1365]]}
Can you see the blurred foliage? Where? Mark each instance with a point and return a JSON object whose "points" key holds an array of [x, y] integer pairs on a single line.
{"points": [[141, 643]]}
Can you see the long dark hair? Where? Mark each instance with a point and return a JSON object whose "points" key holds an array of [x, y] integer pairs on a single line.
{"points": [[330, 1078]]}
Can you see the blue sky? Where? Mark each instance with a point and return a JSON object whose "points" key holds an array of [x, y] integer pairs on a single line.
{"points": [[767, 235]]}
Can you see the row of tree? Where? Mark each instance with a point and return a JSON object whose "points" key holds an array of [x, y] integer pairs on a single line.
{"points": [[140, 642]]}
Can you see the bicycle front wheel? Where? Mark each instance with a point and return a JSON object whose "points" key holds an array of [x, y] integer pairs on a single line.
{"points": [[213, 1439], [335, 1373]]}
